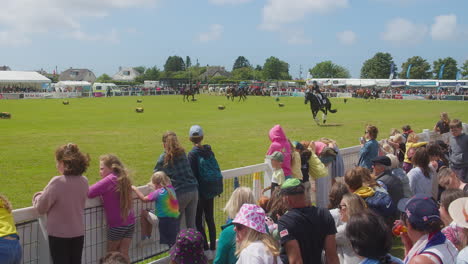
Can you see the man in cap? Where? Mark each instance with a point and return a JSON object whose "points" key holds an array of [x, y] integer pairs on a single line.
{"points": [[305, 231], [382, 174]]}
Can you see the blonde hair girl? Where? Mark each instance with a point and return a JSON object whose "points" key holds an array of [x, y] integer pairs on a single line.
{"points": [[115, 189], [165, 212], [225, 251], [411, 145], [174, 162], [252, 238]]}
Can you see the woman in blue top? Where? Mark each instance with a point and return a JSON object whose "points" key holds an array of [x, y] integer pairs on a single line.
{"points": [[369, 147], [175, 164]]}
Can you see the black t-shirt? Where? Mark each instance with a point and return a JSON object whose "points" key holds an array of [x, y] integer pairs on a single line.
{"points": [[309, 226], [443, 127]]}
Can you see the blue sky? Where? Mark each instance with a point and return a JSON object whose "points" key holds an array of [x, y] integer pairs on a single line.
{"points": [[104, 34]]}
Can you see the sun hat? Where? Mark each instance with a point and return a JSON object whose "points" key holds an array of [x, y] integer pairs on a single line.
{"points": [[420, 209], [251, 216], [188, 248], [196, 131], [458, 210], [292, 186], [277, 155]]}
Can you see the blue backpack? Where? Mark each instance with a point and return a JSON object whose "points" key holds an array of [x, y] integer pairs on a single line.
{"points": [[210, 183], [381, 203]]}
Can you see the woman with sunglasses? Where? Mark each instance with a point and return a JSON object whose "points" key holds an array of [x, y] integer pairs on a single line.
{"points": [[350, 205], [369, 147]]}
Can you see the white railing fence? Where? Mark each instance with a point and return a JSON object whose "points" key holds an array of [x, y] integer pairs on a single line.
{"points": [[33, 237]]}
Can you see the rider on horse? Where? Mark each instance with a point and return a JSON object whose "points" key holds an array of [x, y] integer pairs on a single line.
{"points": [[316, 90]]}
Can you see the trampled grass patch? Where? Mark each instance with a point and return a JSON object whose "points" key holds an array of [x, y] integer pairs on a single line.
{"points": [[238, 134]]}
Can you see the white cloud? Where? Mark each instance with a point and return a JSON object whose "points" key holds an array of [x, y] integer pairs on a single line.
{"points": [[227, 2], [400, 31], [277, 13], [445, 27], [347, 37], [214, 33], [21, 19]]}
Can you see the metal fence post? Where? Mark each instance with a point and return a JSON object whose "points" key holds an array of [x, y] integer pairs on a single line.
{"points": [[257, 188]]}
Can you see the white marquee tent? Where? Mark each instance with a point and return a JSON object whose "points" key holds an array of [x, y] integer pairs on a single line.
{"points": [[22, 79]]}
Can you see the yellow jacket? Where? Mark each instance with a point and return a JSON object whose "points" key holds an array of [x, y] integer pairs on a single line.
{"points": [[412, 145], [316, 167], [7, 223]]}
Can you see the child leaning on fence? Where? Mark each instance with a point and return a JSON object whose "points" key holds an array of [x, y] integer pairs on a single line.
{"points": [[166, 210], [10, 248], [115, 189]]}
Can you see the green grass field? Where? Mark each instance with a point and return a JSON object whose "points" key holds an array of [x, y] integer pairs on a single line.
{"points": [[238, 134]]}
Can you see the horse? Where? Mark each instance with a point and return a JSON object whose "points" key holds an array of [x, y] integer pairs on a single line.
{"points": [[187, 92], [315, 107], [231, 92]]}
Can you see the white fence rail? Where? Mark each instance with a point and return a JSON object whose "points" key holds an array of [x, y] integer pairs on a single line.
{"points": [[35, 245]]}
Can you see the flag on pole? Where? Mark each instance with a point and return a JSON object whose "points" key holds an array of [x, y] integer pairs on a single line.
{"points": [[458, 76], [441, 71], [408, 71], [392, 71]]}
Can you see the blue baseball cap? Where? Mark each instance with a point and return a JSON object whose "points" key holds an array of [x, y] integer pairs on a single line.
{"points": [[196, 131], [420, 209]]}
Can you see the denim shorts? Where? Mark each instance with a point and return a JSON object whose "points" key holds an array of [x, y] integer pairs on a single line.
{"points": [[10, 250]]}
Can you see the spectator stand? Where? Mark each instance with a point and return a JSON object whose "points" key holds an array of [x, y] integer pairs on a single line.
{"points": [[34, 239]]}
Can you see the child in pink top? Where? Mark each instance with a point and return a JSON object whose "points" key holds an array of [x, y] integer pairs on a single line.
{"points": [[115, 189], [63, 200]]}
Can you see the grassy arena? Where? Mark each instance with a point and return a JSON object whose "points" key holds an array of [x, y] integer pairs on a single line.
{"points": [[238, 134]]}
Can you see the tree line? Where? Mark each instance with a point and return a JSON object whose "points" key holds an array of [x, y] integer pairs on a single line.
{"points": [[380, 66]]}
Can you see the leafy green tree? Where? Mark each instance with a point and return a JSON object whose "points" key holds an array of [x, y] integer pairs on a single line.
{"points": [[150, 74], [174, 64], [464, 69], [241, 62], [327, 69], [140, 69], [377, 67], [244, 73], [104, 78], [259, 68], [420, 68], [188, 62], [276, 69], [450, 69]]}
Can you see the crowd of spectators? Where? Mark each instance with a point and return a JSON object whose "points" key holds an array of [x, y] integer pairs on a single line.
{"points": [[309, 216]]}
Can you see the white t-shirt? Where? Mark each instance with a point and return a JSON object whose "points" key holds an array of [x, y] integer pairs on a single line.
{"points": [[278, 176], [257, 253]]}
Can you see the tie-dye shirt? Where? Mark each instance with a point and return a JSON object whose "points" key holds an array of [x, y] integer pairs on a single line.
{"points": [[165, 202]]}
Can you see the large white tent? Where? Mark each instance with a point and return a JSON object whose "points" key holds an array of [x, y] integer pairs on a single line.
{"points": [[22, 79]]}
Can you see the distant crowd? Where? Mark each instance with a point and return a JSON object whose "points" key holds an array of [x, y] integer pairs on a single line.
{"points": [[313, 212]]}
